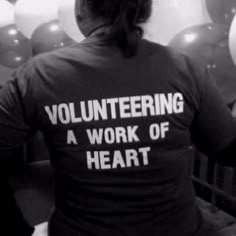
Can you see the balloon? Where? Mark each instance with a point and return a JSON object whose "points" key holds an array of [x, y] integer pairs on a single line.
{"points": [[29, 14], [49, 36], [232, 40], [12, 1], [221, 11], [7, 13], [170, 17], [208, 46], [67, 18], [14, 47]]}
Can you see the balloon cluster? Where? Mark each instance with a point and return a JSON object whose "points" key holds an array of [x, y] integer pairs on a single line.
{"points": [[213, 45], [205, 30], [14, 47], [28, 28]]}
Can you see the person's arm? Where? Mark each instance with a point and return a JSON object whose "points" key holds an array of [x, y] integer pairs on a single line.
{"points": [[214, 128], [12, 221], [15, 128]]}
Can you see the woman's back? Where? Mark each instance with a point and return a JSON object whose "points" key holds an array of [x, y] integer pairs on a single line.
{"points": [[119, 134], [118, 114]]}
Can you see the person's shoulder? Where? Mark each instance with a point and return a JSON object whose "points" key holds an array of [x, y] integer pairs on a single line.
{"points": [[187, 69], [190, 70], [165, 54], [154, 48], [44, 67], [52, 57], [186, 65], [55, 62]]}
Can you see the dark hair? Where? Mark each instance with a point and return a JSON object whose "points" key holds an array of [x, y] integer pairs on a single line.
{"points": [[124, 17]]}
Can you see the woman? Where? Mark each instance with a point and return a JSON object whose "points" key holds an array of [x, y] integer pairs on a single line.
{"points": [[118, 114]]}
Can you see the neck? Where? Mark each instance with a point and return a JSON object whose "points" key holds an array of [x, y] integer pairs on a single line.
{"points": [[90, 27]]}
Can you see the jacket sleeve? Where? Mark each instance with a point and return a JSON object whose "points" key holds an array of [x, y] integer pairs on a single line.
{"points": [[16, 126], [214, 128]]}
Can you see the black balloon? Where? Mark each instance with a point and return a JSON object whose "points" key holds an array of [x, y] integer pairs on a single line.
{"points": [[48, 37], [15, 48], [221, 11], [207, 45]]}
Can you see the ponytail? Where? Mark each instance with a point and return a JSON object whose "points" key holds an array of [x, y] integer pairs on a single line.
{"points": [[123, 16], [124, 31]]}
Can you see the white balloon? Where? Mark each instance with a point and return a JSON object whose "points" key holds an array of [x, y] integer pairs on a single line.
{"points": [[232, 40], [7, 13], [29, 14], [170, 17], [67, 18]]}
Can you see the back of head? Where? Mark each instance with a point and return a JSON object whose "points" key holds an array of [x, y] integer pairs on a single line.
{"points": [[124, 18]]}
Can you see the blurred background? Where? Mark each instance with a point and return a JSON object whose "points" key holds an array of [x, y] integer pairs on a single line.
{"points": [[205, 30]]}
